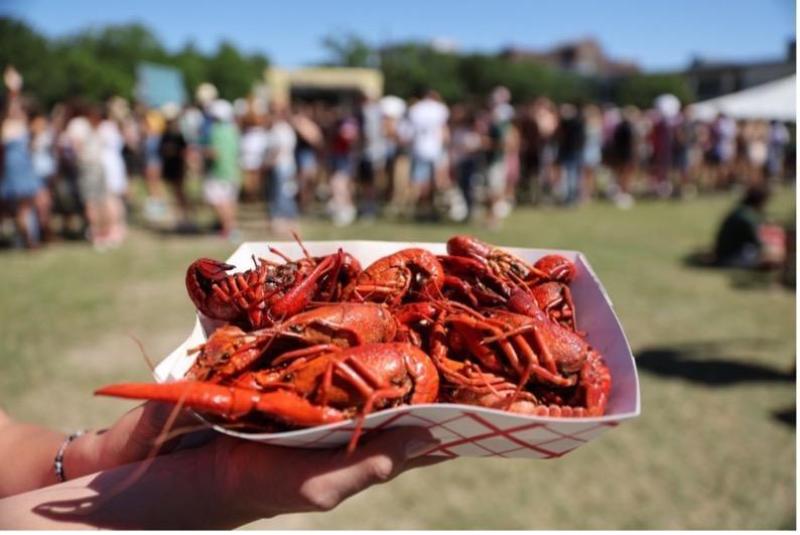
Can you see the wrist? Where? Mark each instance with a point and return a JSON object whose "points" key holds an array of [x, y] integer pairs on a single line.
{"points": [[82, 456]]}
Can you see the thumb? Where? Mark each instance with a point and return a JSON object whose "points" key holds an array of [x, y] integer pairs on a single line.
{"points": [[378, 460]]}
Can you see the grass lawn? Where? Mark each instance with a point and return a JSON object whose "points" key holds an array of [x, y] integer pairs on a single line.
{"points": [[713, 449]]}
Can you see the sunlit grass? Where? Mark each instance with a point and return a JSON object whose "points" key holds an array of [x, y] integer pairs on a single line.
{"points": [[703, 455]]}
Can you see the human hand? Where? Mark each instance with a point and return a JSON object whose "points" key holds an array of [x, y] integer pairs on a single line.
{"points": [[260, 481], [225, 483]]}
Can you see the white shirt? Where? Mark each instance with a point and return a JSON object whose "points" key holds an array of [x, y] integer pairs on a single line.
{"points": [[253, 146], [282, 141], [428, 118], [113, 164]]}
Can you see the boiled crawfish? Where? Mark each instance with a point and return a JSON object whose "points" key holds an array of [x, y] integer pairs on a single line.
{"points": [[331, 386]]}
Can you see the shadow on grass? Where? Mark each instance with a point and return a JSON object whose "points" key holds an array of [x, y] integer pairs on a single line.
{"points": [[701, 363], [786, 416], [740, 278]]}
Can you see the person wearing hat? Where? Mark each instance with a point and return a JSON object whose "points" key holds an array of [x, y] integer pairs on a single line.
{"points": [[221, 187]]}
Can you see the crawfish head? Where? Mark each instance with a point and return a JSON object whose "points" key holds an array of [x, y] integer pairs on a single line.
{"points": [[502, 263], [555, 268], [202, 283]]}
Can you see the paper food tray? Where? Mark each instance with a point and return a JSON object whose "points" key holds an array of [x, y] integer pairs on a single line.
{"points": [[464, 430]]}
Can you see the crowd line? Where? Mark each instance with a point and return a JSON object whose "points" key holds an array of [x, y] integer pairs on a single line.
{"points": [[362, 157]]}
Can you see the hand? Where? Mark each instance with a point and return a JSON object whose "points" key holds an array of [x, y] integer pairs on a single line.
{"points": [[263, 481], [12, 79], [223, 484]]}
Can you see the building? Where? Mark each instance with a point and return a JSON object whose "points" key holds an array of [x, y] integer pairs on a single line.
{"points": [[710, 78], [584, 56], [340, 85]]}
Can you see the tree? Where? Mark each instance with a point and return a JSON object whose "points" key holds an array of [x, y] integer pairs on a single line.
{"points": [[349, 51], [641, 89], [95, 64]]}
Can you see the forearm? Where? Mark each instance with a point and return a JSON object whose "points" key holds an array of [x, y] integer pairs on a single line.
{"points": [[28, 452], [172, 491]]}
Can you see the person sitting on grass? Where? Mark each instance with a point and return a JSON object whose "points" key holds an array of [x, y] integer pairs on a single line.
{"points": [[744, 240], [113, 478]]}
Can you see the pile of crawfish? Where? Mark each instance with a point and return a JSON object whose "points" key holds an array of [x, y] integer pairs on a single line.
{"points": [[320, 340]]}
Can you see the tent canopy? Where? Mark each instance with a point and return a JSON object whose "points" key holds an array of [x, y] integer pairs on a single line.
{"points": [[773, 100]]}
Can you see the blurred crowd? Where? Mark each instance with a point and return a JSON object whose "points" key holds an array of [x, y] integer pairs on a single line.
{"points": [[357, 158]]}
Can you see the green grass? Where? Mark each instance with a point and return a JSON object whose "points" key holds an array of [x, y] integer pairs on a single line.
{"points": [[708, 451]]}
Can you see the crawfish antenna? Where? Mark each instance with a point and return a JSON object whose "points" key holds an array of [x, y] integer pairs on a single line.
{"points": [[300, 243], [144, 353]]}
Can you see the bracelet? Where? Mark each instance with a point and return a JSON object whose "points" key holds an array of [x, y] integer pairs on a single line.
{"points": [[59, 460]]}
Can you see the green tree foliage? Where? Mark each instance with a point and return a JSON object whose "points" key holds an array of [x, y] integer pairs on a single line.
{"points": [[641, 89], [97, 63], [410, 66]]}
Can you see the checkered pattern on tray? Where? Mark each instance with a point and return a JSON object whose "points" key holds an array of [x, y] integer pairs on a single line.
{"points": [[465, 432]]}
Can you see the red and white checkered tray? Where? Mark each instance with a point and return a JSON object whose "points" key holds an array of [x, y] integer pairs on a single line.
{"points": [[464, 430]]}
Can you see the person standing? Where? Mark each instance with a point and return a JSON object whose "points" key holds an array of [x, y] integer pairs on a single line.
{"points": [[309, 145], [343, 141], [778, 140], [592, 150], [222, 183], [428, 121], [623, 156], [83, 132], [531, 145], [44, 165], [282, 187], [116, 179], [173, 152], [571, 138], [18, 183], [372, 160]]}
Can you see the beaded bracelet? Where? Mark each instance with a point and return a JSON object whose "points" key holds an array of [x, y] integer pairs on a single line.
{"points": [[59, 460]]}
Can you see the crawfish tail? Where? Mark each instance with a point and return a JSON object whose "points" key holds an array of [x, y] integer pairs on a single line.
{"points": [[227, 401]]}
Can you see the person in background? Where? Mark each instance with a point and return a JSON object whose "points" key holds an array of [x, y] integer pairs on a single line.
{"points": [[685, 153], [251, 159], [428, 121], [531, 145], [86, 139], [571, 139], [465, 155], [19, 183], [153, 127], [501, 117], [309, 145], [116, 179], [724, 132], [343, 141], [172, 151], [744, 240], [592, 150], [44, 165], [547, 120], [282, 184], [222, 183], [623, 155], [778, 140], [661, 140], [372, 154], [756, 134]]}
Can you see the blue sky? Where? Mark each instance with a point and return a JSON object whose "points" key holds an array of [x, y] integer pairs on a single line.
{"points": [[658, 35]]}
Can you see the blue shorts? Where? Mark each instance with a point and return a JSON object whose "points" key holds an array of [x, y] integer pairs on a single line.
{"points": [[342, 164], [422, 170], [306, 161]]}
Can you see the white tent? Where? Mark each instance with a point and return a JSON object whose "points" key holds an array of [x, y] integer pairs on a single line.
{"points": [[773, 100]]}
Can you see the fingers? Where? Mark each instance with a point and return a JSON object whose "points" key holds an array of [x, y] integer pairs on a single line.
{"points": [[376, 461]]}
